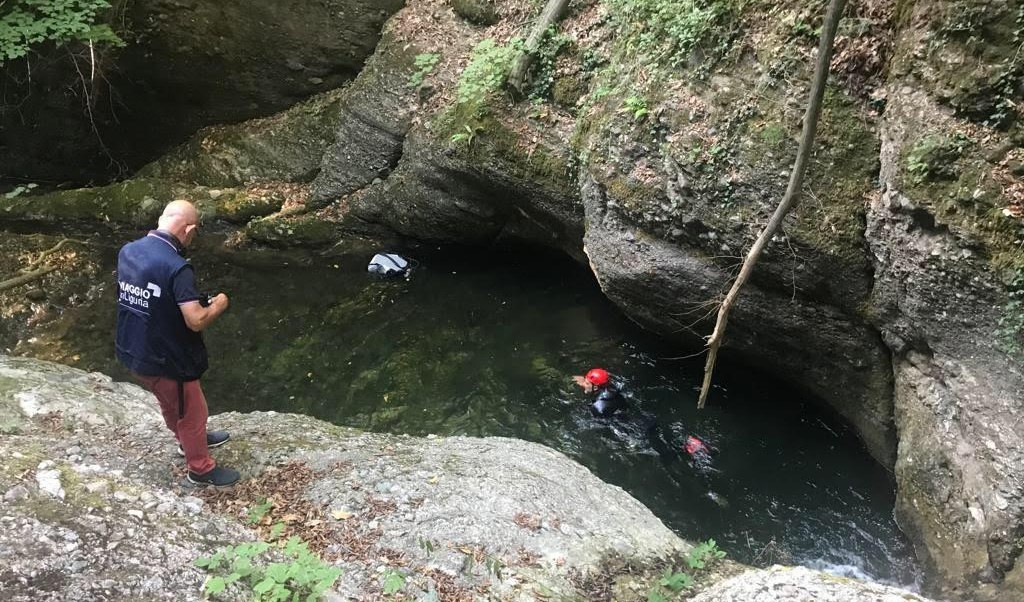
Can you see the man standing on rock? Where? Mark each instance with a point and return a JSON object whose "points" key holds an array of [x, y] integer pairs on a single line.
{"points": [[160, 317]]}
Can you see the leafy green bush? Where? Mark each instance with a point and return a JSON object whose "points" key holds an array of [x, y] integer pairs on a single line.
{"points": [[702, 553], [424, 64], [27, 23], [489, 65], [672, 582], [304, 577], [668, 30]]}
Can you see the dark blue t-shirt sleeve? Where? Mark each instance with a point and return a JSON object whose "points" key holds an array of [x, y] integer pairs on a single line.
{"points": [[184, 284]]}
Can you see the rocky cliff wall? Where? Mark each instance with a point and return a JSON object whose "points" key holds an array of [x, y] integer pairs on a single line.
{"points": [[67, 114]]}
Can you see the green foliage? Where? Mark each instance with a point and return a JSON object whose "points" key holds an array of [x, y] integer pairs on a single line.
{"points": [[803, 29], [668, 30], [257, 512], [702, 553], [773, 134], [394, 581], [543, 68], [489, 65], [672, 582], [592, 60], [934, 157], [424, 64], [427, 545], [637, 106], [303, 577], [492, 564], [675, 581], [276, 531], [28, 23], [466, 137], [1010, 331], [985, 88]]}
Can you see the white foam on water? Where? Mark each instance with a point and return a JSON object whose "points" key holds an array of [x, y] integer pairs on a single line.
{"points": [[856, 570]]}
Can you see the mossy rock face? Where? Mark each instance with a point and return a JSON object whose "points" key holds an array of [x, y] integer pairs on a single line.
{"points": [[188, 64], [568, 90], [283, 147], [136, 202], [479, 12], [375, 113], [242, 206], [306, 230], [934, 158], [970, 58]]}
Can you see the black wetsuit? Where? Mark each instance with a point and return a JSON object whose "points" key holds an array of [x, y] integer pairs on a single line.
{"points": [[609, 401]]}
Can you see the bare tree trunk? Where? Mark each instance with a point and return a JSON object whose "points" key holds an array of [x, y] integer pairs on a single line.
{"points": [[828, 35], [552, 12]]}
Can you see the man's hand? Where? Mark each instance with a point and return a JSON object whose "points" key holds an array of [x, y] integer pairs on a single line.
{"points": [[197, 317], [220, 299]]}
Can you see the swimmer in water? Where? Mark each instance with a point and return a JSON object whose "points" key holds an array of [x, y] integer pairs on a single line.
{"points": [[608, 400], [699, 452]]}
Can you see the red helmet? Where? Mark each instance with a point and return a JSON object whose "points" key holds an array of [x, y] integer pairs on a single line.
{"points": [[598, 377]]}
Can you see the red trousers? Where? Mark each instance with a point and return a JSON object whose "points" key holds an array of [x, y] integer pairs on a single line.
{"points": [[189, 428]]}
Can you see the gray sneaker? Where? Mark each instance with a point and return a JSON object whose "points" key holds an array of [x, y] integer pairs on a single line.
{"points": [[213, 439]]}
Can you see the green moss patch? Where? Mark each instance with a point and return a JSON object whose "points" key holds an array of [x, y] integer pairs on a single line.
{"points": [[306, 230], [241, 206], [134, 202], [842, 175]]}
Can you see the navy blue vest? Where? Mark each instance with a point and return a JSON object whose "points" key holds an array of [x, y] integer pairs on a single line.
{"points": [[152, 337]]}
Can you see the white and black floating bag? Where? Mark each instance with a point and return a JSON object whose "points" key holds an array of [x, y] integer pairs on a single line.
{"points": [[388, 264]]}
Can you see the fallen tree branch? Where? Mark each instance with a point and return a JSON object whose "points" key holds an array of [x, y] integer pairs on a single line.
{"points": [[828, 35], [25, 278], [38, 260]]}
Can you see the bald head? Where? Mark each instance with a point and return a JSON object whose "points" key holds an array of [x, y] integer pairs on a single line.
{"points": [[180, 218]]}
